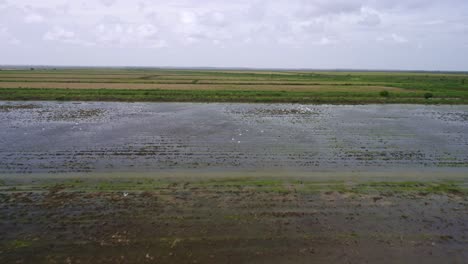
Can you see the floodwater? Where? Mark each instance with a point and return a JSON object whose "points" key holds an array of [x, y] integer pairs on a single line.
{"points": [[58, 137]]}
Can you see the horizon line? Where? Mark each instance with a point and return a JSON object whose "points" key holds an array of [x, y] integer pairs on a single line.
{"points": [[2, 66]]}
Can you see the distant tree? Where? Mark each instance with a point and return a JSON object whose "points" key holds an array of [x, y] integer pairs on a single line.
{"points": [[32, 69]]}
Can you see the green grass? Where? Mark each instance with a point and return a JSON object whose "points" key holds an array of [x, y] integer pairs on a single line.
{"points": [[425, 188], [268, 185], [16, 244], [224, 96], [418, 88]]}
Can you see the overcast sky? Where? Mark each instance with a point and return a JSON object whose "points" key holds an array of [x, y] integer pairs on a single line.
{"points": [[358, 34]]}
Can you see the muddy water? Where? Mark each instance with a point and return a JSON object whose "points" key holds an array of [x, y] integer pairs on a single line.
{"points": [[54, 137]]}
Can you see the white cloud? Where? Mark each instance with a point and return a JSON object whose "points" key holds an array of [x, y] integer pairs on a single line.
{"points": [[240, 27], [59, 34], [128, 35], [33, 18], [7, 37], [369, 17], [392, 38], [324, 41], [187, 17], [108, 2], [399, 39]]}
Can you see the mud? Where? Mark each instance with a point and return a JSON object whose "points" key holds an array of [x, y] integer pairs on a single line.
{"points": [[152, 220], [56, 137]]}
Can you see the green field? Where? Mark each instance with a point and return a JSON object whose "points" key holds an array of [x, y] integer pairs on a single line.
{"points": [[234, 86]]}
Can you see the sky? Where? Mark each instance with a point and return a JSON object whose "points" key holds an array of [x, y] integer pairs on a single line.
{"points": [[316, 34]]}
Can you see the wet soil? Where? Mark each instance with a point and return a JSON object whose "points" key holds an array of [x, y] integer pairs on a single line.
{"points": [[148, 220]]}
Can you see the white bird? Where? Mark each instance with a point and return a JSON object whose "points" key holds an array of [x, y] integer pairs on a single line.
{"points": [[125, 194]]}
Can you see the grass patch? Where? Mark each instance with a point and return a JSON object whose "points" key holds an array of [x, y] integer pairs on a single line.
{"points": [[410, 187], [219, 96], [235, 184], [267, 185], [17, 244]]}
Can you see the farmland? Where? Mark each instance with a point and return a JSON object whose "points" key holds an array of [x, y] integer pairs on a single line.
{"points": [[164, 85], [192, 166]]}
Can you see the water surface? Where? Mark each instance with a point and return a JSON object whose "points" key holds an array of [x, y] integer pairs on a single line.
{"points": [[55, 137]]}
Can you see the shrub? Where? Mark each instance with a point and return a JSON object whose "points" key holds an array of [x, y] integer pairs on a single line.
{"points": [[428, 95], [384, 94]]}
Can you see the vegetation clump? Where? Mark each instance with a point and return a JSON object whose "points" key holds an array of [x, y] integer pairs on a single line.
{"points": [[428, 95], [385, 93]]}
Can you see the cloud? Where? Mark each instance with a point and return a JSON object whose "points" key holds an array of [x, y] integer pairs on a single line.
{"points": [[59, 34], [7, 37], [108, 2], [399, 39], [369, 17], [215, 19], [324, 41], [33, 18], [393, 38], [128, 35], [279, 28], [327, 8]]}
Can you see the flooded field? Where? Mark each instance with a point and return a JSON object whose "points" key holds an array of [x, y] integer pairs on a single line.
{"points": [[100, 182], [52, 137]]}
